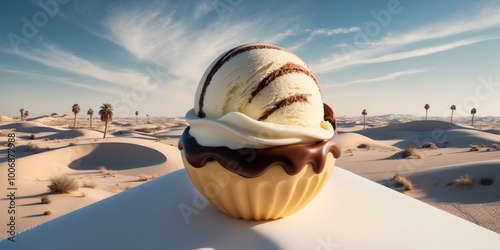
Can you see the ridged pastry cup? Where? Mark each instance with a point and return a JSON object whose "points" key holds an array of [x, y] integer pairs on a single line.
{"points": [[273, 195]]}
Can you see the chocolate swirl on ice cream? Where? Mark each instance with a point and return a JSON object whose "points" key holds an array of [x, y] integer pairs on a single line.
{"points": [[251, 163], [222, 60]]}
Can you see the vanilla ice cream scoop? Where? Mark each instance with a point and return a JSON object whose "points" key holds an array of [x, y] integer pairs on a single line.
{"points": [[258, 96], [265, 82]]}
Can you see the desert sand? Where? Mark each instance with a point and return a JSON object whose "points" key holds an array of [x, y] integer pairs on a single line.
{"points": [[133, 154]]}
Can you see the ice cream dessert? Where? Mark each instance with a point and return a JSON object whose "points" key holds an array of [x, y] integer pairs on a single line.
{"points": [[261, 142]]}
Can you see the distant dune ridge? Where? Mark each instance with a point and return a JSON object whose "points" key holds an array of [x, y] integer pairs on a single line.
{"points": [[120, 201]]}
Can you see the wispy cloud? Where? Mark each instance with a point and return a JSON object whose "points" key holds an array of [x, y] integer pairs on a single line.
{"points": [[55, 57], [331, 32], [183, 46], [383, 50], [338, 62], [202, 8], [57, 79], [314, 33], [484, 19], [377, 79]]}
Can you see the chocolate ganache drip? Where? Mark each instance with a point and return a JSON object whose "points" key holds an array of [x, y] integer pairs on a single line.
{"points": [[251, 163]]}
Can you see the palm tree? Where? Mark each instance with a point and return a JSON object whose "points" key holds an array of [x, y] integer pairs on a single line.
{"points": [[453, 108], [426, 107], [136, 117], [364, 113], [26, 114], [76, 109], [22, 113], [473, 112], [90, 112], [106, 113]]}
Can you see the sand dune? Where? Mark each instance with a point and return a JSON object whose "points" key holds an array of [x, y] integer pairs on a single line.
{"points": [[443, 134], [133, 149], [4, 118], [148, 217], [29, 127], [353, 140], [479, 202], [78, 154]]}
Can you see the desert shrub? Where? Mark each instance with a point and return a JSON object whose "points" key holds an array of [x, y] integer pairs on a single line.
{"points": [[485, 181], [103, 170], [410, 146], [474, 148], [481, 145], [45, 199], [72, 144], [84, 194], [146, 130], [48, 212], [118, 187], [401, 181], [463, 182], [32, 136], [143, 177], [31, 147], [112, 173], [89, 184], [63, 184], [4, 133], [364, 145], [430, 145], [410, 153], [495, 146]]}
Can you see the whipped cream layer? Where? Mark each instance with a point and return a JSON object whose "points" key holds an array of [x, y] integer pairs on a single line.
{"points": [[236, 130]]}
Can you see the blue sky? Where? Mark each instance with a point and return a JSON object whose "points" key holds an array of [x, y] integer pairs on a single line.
{"points": [[386, 56]]}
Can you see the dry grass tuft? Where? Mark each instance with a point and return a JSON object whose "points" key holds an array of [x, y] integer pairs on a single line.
{"points": [[90, 184], [32, 147], [32, 136], [45, 199], [112, 173], [430, 145], [364, 145], [103, 170], [148, 130], [143, 177], [117, 187], [5, 132], [401, 181], [409, 153], [495, 146], [84, 194], [474, 148], [72, 144], [63, 185], [48, 212], [463, 182]]}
